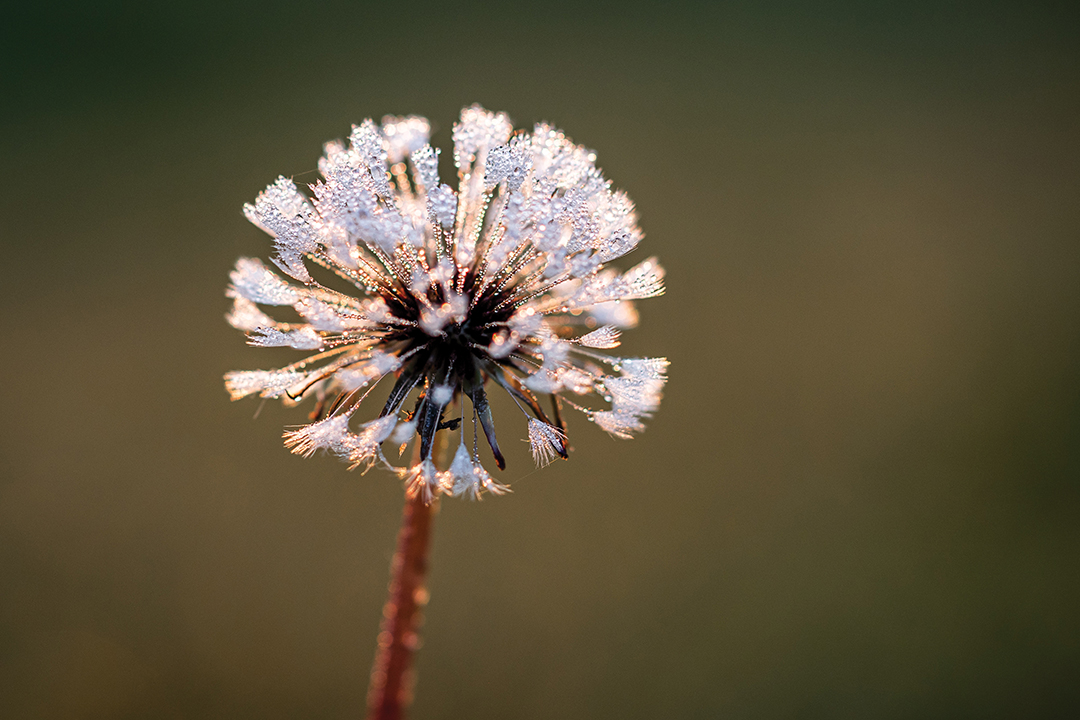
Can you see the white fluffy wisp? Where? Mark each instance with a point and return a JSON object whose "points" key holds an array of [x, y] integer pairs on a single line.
{"points": [[436, 293]]}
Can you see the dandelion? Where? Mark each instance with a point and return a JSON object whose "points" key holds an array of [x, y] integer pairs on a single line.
{"points": [[501, 283]]}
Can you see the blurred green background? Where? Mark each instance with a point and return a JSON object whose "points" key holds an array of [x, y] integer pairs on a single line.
{"points": [[860, 495]]}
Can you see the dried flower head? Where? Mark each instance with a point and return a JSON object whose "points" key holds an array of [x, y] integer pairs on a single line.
{"points": [[501, 282]]}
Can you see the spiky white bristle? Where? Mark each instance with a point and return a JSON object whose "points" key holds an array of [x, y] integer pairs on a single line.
{"points": [[604, 338], [361, 448], [424, 481], [322, 435], [268, 383], [546, 442]]}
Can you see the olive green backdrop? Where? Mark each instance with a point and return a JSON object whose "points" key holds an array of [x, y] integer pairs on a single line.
{"points": [[859, 497]]}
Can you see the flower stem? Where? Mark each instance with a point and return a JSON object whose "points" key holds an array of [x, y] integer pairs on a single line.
{"points": [[390, 690]]}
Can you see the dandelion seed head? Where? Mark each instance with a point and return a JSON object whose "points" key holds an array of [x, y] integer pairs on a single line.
{"points": [[438, 293]]}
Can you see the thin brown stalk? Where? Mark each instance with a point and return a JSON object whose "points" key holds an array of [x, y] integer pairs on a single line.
{"points": [[390, 689]]}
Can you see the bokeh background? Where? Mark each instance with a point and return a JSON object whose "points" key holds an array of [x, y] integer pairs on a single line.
{"points": [[859, 498]]}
